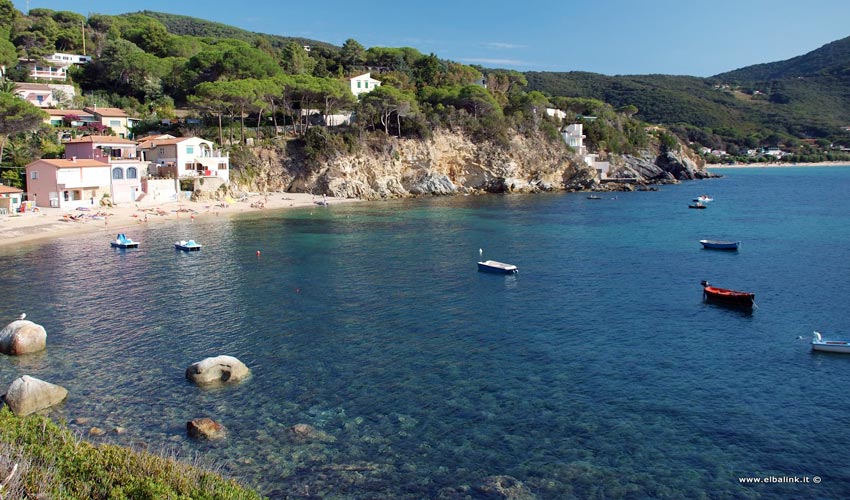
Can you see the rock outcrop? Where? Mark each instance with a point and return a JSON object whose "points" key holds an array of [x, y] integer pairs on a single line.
{"points": [[28, 395], [452, 163], [22, 337], [218, 370]]}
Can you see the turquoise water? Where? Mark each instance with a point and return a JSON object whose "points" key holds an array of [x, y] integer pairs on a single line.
{"points": [[595, 372]]}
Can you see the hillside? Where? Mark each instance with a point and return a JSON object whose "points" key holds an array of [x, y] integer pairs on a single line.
{"points": [[833, 59], [192, 26], [804, 97]]}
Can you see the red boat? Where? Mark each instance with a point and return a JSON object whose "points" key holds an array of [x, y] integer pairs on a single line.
{"points": [[726, 296]]}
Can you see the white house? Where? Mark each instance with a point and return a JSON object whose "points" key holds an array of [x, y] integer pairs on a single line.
{"points": [[45, 95], [185, 157], [54, 66], [363, 83], [10, 199], [574, 137], [556, 113], [316, 117]]}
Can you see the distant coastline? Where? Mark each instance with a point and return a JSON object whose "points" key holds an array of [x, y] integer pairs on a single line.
{"points": [[776, 164]]}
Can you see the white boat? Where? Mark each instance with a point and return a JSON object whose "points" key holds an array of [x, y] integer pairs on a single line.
{"points": [[492, 266], [820, 344], [187, 246], [704, 199]]}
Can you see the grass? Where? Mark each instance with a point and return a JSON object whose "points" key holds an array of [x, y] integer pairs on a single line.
{"points": [[40, 459]]}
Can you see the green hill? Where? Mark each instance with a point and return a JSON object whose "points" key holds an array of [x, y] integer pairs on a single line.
{"points": [[804, 97], [832, 59], [192, 26]]}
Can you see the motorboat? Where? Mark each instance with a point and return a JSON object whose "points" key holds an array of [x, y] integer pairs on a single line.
{"points": [[492, 266], [821, 344]]}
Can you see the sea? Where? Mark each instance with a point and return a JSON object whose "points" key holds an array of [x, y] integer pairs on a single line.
{"points": [[597, 371]]}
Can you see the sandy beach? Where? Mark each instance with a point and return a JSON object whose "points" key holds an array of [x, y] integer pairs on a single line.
{"points": [[49, 223], [778, 165]]}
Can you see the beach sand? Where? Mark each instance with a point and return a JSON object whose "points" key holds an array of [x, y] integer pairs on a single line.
{"points": [[49, 223], [776, 165]]}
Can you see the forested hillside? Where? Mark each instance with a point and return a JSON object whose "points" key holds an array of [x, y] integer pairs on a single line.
{"points": [[255, 87], [186, 25], [807, 97]]}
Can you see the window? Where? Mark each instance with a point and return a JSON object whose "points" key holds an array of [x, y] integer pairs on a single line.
{"points": [[222, 166], [117, 173], [366, 85], [190, 150], [114, 123], [131, 173], [358, 84], [39, 98], [34, 175], [161, 151], [67, 198]]}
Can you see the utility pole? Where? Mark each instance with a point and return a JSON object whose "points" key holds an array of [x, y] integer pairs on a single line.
{"points": [[83, 29]]}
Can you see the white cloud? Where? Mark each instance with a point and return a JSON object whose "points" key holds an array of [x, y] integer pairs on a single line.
{"points": [[503, 45], [484, 60]]}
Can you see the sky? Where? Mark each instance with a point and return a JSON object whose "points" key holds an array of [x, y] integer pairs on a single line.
{"points": [[612, 37]]}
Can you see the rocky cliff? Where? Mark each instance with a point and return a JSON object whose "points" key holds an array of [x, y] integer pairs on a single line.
{"points": [[450, 163]]}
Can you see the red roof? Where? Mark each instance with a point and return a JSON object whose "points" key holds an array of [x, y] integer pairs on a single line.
{"points": [[106, 111], [9, 189], [71, 163], [92, 139]]}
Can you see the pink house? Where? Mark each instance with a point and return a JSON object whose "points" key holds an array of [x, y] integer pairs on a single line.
{"points": [[97, 166], [67, 183]]}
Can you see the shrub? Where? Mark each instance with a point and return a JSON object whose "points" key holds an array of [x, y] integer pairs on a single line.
{"points": [[53, 463]]}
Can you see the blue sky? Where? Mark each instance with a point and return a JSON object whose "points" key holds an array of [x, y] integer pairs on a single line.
{"points": [[612, 37]]}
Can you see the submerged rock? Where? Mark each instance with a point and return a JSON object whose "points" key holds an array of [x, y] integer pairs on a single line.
{"points": [[504, 487], [205, 428], [306, 432], [22, 337], [218, 370], [28, 395]]}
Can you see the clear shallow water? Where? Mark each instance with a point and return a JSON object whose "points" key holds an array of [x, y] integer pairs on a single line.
{"points": [[596, 372]]}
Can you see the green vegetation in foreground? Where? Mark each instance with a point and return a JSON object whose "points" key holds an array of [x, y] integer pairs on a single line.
{"points": [[49, 461]]}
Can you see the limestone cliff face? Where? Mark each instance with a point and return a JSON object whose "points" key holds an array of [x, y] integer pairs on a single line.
{"points": [[446, 164]]}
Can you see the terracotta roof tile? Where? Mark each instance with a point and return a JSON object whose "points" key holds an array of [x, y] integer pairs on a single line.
{"points": [[106, 111], [72, 163], [91, 139]]}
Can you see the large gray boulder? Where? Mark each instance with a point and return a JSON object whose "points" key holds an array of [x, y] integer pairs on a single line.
{"points": [[28, 395], [22, 337], [218, 370], [434, 184]]}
